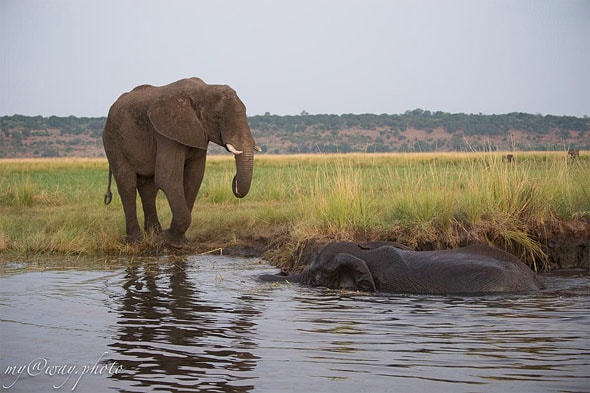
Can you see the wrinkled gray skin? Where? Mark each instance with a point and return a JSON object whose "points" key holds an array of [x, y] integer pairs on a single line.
{"points": [[381, 267], [157, 137]]}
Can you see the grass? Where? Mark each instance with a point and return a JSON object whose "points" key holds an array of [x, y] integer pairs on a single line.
{"points": [[424, 200]]}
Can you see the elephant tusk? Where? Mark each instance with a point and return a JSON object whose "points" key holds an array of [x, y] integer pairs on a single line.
{"points": [[257, 148], [232, 149]]}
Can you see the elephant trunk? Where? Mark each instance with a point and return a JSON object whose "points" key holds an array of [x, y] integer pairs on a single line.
{"points": [[243, 178], [303, 278]]}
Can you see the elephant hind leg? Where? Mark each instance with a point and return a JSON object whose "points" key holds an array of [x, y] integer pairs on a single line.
{"points": [[148, 192], [127, 188]]}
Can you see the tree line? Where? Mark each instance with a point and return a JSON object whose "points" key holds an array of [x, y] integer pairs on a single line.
{"points": [[469, 124], [417, 118], [71, 124], [303, 133]]}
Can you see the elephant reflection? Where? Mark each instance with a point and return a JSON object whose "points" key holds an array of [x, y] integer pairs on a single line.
{"points": [[168, 335]]}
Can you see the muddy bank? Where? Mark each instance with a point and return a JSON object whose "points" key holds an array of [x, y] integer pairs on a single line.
{"points": [[566, 244]]}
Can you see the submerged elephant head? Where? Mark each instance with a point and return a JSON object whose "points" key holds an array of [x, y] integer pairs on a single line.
{"points": [[340, 271], [338, 266], [194, 113]]}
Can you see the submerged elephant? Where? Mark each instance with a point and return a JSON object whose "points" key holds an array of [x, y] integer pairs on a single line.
{"points": [[156, 138], [373, 267]]}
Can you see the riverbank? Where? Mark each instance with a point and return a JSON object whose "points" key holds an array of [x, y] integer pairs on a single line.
{"points": [[564, 244], [536, 207]]}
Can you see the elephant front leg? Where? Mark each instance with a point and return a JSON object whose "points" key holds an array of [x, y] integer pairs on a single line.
{"points": [[169, 177], [181, 216], [181, 220]]}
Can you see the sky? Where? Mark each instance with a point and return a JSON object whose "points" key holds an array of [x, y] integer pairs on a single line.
{"points": [[75, 57]]}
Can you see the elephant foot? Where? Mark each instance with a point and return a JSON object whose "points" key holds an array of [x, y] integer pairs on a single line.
{"points": [[174, 240], [133, 239]]}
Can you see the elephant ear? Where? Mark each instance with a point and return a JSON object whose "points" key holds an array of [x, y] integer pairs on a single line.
{"points": [[350, 272], [174, 117]]}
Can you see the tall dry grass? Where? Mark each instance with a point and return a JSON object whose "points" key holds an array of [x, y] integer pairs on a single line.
{"points": [[441, 199]]}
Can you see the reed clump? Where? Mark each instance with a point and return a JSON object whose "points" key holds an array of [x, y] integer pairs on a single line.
{"points": [[424, 200]]}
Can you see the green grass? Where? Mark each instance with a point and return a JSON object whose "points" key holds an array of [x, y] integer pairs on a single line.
{"points": [[424, 200]]}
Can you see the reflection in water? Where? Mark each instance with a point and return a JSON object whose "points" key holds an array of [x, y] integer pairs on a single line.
{"points": [[173, 337], [206, 323]]}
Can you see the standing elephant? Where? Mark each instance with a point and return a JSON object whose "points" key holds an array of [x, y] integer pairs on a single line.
{"points": [[373, 267], [156, 138]]}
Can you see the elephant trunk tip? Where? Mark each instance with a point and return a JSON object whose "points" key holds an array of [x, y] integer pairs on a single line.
{"points": [[279, 278], [238, 192]]}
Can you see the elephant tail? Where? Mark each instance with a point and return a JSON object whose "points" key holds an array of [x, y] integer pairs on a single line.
{"points": [[108, 196]]}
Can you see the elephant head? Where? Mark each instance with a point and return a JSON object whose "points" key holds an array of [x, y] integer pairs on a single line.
{"points": [[341, 271], [194, 113]]}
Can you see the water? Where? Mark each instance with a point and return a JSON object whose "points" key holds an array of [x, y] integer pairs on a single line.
{"points": [[206, 324]]}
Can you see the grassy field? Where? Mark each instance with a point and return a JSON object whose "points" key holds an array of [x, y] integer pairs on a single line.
{"points": [[438, 200]]}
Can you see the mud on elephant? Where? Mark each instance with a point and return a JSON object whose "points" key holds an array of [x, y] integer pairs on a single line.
{"points": [[156, 138], [381, 267]]}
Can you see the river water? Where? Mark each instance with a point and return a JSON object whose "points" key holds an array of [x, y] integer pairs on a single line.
{"points": [[205, 323]]}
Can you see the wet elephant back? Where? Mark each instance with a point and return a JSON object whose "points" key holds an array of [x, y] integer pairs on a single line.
{"points": [[470, 270]]}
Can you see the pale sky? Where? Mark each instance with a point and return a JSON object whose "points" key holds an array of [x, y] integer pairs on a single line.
{"points": [[75, 57]]}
